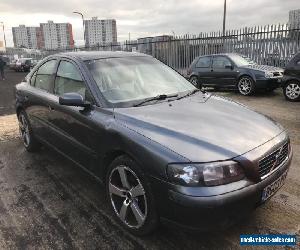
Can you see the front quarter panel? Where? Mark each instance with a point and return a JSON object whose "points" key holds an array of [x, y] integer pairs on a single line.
{"points": [[151, 156], [244, 71]]}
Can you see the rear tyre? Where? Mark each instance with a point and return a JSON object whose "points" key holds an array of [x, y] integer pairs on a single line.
{"points": [[26, 133], [291, 91], [246, 85], [130, 196]]}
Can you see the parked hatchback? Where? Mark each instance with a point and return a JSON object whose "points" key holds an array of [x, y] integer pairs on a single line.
{"points": [[233, 71], [23, 64], [164, 150], [291, 79]]}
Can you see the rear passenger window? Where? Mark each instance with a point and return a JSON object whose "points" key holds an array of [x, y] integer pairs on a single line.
{"points": [[203, 62], [44, 76], [68, 79]]}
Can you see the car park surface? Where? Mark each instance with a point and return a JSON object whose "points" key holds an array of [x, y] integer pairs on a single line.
{"points": [[62, 200]]}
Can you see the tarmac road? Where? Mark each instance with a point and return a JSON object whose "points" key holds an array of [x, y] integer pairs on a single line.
{"points": [[46, 202]]}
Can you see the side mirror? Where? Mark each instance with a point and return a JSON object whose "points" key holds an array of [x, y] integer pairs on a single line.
{"points": [[229, 67], [73, 99]]}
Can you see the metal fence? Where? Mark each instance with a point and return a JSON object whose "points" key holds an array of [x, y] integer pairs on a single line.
{"points": [[269, 44]]}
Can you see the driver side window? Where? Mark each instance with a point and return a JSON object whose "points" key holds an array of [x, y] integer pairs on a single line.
{"points": [[68, 80], [221, 62]]}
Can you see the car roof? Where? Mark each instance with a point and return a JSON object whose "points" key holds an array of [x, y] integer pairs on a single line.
{"points": [[221, 54], [92, 55]]}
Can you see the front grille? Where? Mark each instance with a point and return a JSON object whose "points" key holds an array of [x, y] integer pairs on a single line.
{"points": [[273, 160]]}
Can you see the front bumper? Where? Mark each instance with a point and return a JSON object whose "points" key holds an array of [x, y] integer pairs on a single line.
{"points": [[268, 83], [206, 213]]}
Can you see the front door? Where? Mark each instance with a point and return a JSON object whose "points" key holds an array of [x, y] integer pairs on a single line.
{"points": [[224, 72], [76, 135]]}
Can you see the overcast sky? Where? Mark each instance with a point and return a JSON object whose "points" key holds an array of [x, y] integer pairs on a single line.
{"points": [[146, 17]]}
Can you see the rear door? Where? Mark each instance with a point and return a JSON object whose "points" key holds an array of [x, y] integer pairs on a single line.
{"points": [[224, 71], [38, 97], [204, 70]]}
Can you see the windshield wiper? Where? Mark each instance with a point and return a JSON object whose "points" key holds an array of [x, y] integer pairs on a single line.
{"points": [[190, 93], [158, 97]]}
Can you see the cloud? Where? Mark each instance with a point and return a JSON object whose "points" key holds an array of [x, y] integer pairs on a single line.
{"points": [[148, 17]]}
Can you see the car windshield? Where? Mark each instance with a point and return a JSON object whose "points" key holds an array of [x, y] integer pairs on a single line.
{"points": [[241, 60], [128, 80]]}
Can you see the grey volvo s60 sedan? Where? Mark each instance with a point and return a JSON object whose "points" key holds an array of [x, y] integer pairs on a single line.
{"points": [[164, 150]]}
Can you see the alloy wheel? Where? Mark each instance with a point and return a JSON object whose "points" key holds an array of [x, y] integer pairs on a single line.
{"points": [[24, 130], [128, 196], [194, 81], [245, 86], [292, 91]]}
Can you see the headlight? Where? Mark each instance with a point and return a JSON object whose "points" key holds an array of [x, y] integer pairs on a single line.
{"points": [[207, 174], [268, 74]]}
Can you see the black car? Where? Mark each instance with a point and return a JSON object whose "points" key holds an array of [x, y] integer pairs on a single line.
{"points": [[233, 71], [291, 79], [23, 64], [164, 150]]}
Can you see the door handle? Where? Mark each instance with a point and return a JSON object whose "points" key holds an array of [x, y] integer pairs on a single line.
{"points": [[50, 108], [211, 70]]}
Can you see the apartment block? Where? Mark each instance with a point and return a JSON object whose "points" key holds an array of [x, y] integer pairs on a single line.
{"points": [[100, 32], [56, 35], [48, 36], [27, 37], [294, 17]]}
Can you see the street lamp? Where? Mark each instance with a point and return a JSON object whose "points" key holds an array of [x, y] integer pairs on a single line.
{"points": [[224, 18], [3, 34], [79, 13]]}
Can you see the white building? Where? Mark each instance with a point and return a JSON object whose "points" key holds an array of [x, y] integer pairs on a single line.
{"points": [[100, 32], [57, 35], [27, 37], [2, 47], [294, 17]]}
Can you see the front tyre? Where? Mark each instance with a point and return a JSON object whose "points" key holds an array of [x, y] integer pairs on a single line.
{"points": [[195, 82], [246, 85], [130, 196], [291, 91], [26, 133]]}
